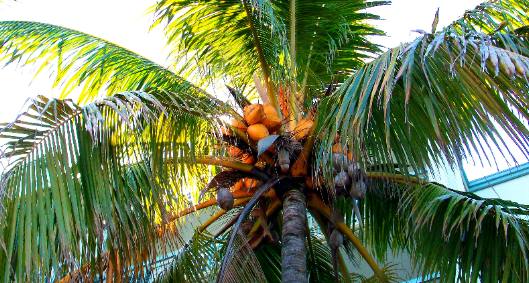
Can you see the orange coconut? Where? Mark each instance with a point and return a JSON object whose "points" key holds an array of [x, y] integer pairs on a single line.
{"points": [[238, 124], [234, 151], [337, 148], [302, 129], [237, 186], [271, 120], [257, 131], [250, 183], [248, 159], [253, 113]]}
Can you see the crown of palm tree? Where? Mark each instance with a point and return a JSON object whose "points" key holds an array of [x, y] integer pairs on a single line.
{"points": [[124, 183]]}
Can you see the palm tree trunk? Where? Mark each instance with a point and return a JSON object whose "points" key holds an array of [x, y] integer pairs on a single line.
{"points": [[293, 253]]}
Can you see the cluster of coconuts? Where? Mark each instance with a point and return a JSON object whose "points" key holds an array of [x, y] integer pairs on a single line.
{"points": [[261, 120], [348, 177]]}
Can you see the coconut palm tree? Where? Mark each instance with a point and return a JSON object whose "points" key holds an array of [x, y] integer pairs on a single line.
{"points": [[319, 157]]}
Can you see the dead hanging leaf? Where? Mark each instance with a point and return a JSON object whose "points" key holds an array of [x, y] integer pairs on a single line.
{"points": [[224, 179], [264, 144]]}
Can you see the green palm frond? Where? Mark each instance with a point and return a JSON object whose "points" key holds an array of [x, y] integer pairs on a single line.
{"points": [[390, 272], [81, 61], [81, 179], [443, 96], [331, 39], [199, 261], [319, 265], [459, 235], [224, 39]]}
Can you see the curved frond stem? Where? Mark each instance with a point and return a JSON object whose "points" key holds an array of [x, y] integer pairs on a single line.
{"points": [[219, 214], [227, 225], [262, 60], [224, 162], [293, 90], [205, 204], [273, 207], [315, 203], [397, 178], [249, 206]]}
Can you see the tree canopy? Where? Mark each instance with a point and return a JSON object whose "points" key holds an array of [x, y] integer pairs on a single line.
{"points": [[123, 183]]}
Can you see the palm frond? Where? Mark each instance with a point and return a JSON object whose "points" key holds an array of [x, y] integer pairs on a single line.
{"points": [[459, 235], [81, 61], [82, 181], [224, 39], [443, 96], [199, 261], [331, 39], [319, 266]]}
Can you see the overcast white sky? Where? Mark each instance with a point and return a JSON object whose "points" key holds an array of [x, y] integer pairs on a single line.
{"points": [[126, 22]]}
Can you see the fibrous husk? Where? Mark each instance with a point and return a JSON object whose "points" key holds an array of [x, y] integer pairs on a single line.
{"points": [[283, 160], [225, 199], [257, 132], [254, 114], [302, 129]]}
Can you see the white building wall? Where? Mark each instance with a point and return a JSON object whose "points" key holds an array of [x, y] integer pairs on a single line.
{"points": [[516, 190]]}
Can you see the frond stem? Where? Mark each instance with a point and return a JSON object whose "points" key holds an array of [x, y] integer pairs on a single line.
{"points": [[293, 93], [216, 216], [398, 178], [205, 204], [262, 60], [224, 162], [316, 203]]}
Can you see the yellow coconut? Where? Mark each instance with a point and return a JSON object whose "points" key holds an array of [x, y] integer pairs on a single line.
{"points": [[254, 113], [257, 131], [271, 120], [302, 129]]}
